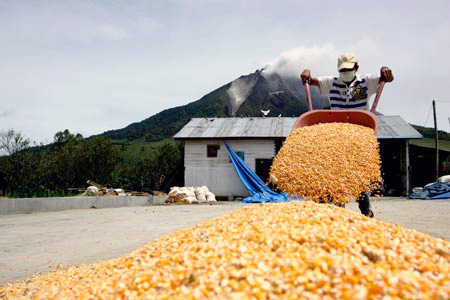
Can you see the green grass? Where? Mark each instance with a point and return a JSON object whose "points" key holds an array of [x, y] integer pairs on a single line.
{"points": [[429, 143]]}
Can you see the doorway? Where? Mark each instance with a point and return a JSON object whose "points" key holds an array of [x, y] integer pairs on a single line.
{"points": [[262, 168]]}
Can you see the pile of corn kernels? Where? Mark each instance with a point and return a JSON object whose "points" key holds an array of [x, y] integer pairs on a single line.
{"points": [[332, 162], [265, 251]]}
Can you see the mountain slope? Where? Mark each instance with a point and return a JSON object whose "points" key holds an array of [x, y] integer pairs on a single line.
{"points": [[245, 96], [167, 122], [429, 132]]}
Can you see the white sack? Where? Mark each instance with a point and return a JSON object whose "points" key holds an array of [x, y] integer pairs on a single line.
{"points": [[200, 195], [210, 197]]}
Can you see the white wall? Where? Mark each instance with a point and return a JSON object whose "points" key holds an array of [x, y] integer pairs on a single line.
{"points": [[217, 173]]}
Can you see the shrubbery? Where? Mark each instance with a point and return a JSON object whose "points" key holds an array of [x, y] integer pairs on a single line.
{"points": [[71, 160]]}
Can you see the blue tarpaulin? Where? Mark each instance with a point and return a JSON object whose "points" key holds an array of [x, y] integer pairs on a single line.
{"points": [[258, 190], [435, 191]]}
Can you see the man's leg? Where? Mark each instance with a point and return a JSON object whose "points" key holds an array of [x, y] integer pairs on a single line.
{"points": [[364, 205]]}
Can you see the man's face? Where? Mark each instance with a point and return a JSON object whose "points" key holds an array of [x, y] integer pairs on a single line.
{"points": [[348, 74]]}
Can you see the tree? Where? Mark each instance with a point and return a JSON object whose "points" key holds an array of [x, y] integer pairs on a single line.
{"points": [[12, 142], [73, 160], [21, 168], [64, 161], [3, 181], [69, 162], [164, 166], [100, 157], [131, 174]]}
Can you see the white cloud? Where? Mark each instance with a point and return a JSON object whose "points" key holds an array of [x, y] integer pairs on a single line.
{"points": [[111, 32], [6, 113], [322, 60]]}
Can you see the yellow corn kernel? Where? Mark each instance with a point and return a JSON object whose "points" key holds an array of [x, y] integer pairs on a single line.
{"points": [[331, 162], [319, 255]]}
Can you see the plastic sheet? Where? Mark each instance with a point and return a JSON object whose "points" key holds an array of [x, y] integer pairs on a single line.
{"points": [[258, 190], [438, 190]]}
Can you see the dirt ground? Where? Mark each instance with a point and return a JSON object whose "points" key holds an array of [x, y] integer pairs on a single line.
{"points": [[38, 242]]}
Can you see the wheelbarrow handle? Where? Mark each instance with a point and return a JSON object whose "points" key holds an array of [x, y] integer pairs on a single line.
{"points": [[377, 98], [308, 95]]}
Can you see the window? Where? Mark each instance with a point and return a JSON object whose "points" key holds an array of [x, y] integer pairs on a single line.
{"points": [[211, 150], [241, 154]]}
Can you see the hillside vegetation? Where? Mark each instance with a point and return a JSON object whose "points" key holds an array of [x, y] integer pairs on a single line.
{"points": [[428, 132], [166, 123], [280, 96], [61, 168]]}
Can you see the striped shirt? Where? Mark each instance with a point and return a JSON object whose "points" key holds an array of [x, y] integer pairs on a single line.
{"points": [[355, 96]]}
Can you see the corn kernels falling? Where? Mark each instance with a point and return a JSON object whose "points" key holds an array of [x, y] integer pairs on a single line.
{"points": [[331, 162]]}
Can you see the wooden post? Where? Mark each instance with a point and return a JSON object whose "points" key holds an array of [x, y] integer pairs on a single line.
{"points": [[408, 180], [436, 139]]}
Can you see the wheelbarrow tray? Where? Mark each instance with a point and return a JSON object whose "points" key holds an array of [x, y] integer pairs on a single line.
{"points": [[358, 117]]}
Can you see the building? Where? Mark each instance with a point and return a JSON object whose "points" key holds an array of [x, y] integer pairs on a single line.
{"points": [[423, 160], [257, 141]]}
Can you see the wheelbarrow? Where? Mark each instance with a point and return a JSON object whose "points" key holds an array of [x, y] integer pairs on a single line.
{"points": [[353, 116]]}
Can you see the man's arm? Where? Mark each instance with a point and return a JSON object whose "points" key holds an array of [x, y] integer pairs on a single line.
{"points": [[386, 75], [306, 76]]}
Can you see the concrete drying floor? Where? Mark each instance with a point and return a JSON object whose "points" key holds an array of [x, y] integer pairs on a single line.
{"points": [[38, 242]]}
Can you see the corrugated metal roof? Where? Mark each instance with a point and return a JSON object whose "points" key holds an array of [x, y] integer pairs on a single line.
{"points": [[390, 127], [236, 128], [394, 127]]}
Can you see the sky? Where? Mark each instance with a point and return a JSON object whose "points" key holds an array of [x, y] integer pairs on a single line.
{"points": [[92, 66]]}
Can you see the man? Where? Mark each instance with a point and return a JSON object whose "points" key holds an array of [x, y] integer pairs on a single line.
{"points": [[350, 91]]}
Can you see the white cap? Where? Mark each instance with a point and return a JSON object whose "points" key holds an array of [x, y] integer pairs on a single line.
{"points": [[347, 61]]}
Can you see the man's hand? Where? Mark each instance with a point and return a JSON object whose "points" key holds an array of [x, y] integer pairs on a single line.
{"points": [[386, 75], [306, 76]]}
